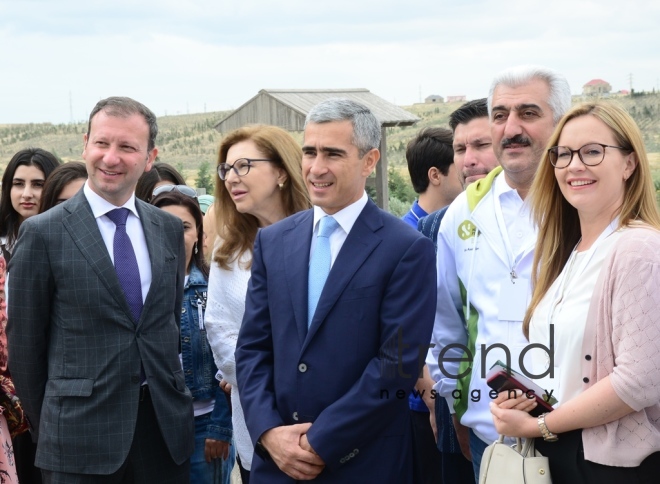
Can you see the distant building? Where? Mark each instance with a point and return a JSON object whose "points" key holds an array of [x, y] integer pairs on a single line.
{"points": [[596, 87], [434, 98], [456, 99]]}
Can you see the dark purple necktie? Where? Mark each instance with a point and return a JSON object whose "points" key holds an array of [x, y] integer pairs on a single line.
{"points": [[126, 263]]}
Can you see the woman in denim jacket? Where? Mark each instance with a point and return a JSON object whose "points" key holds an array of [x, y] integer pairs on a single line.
{"points": [[213, 457]]}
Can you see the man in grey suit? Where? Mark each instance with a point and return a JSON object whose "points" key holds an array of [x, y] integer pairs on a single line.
{"points": [[94, 304]]}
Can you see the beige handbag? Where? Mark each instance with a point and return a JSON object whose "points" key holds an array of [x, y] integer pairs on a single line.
{"points": [[518, 464]]}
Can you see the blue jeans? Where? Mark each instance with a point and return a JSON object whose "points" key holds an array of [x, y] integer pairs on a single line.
{"points": [[215, 472], [477, 447]]}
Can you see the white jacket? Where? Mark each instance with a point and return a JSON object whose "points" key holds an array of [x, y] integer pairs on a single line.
{"points": [[474, 261]]}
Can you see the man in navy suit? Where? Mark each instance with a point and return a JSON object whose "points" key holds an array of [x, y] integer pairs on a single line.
{"points": [[325, 379]]}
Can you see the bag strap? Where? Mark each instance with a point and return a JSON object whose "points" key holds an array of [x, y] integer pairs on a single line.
{"points": [[525, 449]]}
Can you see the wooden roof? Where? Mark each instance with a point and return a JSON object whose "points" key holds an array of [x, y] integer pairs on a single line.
{"points": [[287, 108]]}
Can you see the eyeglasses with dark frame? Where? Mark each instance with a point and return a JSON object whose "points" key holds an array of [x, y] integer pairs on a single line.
{"points": [[184, 189], [241, 167], [591, 154]]}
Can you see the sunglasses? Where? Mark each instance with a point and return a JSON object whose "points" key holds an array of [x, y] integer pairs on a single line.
{"points": [[184, 189]]}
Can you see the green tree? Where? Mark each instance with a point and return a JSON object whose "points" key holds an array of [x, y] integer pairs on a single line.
{"points": [[399, 187], [204, 179]]}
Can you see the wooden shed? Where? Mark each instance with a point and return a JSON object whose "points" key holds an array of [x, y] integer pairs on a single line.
{"points": [[287, 108]]}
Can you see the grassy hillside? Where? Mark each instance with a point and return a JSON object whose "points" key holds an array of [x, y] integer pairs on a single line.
{"points": [[185, 141]]}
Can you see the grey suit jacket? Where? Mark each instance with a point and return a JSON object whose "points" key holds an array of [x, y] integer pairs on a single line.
{"points": [[75, 352]]}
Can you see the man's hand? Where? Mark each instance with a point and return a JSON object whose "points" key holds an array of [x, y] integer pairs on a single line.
{"points": [[225, 386], [214, 449], [433, 425], [285, 446], [463, 436]]}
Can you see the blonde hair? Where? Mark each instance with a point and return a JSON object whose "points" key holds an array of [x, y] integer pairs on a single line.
{"points": [[237, 231], [557, 220]]}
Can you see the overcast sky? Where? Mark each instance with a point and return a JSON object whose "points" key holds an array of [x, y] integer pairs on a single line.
{"points": [[58, 58]]}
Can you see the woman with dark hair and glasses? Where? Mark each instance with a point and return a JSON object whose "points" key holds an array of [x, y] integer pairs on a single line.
{"points": [[259, 182], [22, 184], [160, 174], [213, 457], [595, 304], [63, 183]]}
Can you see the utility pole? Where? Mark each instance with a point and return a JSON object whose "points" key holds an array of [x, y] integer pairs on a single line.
{"points": [[630, 81]]}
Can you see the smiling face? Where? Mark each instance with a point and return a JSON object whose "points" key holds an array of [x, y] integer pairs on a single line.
{"points": [[257, 193], [521, 125], [595, 191], [473, 150], [116, 155], [26, 187], [333, 171]]}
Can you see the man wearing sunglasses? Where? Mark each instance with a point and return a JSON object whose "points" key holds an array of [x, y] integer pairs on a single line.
{"points": [[95, 305]]}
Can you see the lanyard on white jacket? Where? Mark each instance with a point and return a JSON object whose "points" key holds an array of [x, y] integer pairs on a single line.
{"points": [[504, 232]]}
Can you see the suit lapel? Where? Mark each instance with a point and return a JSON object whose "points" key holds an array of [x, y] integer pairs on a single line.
{"points": [[297, 243], [359, 244], [84, 231], [155, 245]]}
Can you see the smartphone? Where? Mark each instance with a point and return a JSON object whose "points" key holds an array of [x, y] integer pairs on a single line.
{"points": [[500, 378]]}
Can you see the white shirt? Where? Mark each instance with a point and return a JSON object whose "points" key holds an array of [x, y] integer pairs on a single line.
{"points": [[346, 218], [566, 305], [515, 212], [100, 206]]}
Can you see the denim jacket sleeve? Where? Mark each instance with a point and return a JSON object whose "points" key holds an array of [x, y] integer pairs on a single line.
{"points": [[220, 427]]}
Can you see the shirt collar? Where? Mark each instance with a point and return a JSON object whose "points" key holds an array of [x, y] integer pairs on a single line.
{"points": [[503, 190], [346, 217], [100, 206], [417, 211]]}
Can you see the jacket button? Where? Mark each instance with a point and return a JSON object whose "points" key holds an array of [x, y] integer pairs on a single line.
{"points": [[585, 379], [186, 339], [587, 357], [342, 460], [302, 367], [135, 379], [183, 310], [295, 416]]}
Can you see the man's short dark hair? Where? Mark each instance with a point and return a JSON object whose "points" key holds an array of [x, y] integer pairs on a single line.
{"points": [[477, 108], [124, 107], [432, 147]]}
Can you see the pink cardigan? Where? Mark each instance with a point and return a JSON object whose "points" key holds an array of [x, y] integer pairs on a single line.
{"points": [[622, 340]]}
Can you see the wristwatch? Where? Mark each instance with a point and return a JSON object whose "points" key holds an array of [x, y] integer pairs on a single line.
{"points": [[261, 451], [545, 432]]}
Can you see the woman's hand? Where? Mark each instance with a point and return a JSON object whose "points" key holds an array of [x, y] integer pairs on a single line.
{"points": [[511, 416], [514, 423], [506, 400]]}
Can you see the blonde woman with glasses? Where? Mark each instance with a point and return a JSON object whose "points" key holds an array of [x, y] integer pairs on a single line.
{"points": [[595, 303], [259, 182]]}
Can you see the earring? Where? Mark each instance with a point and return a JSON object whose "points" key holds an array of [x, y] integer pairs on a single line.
{"points": [[196, 248], [281, 186]]}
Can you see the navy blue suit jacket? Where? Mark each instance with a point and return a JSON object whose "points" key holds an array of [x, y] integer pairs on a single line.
{"points": [[349, 374]]}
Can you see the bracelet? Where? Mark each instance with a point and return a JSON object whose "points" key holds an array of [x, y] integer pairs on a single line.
{"points": [[545, 432]]}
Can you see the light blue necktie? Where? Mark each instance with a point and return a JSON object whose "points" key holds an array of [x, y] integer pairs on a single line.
{"points": [[319, 265]]}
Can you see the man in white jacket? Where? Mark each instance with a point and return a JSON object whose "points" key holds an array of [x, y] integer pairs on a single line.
{"points": [[485, 251]]}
